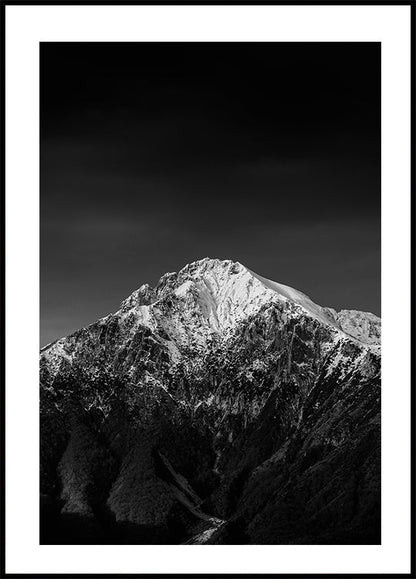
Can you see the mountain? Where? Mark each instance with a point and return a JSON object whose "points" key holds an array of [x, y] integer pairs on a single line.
{"points": [[218, 407]]}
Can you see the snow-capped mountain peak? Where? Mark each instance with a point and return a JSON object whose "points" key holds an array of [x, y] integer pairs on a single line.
{"points": [[211, 298], [213, 378], [213, 295], [322, 314]]}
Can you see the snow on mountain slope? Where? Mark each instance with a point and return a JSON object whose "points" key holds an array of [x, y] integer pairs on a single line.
{"points": [[212, 297], [222, 292], [301, 299], [364, 326]]}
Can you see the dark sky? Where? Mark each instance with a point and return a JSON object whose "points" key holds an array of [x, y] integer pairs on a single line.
{"points": [[154, 155]]}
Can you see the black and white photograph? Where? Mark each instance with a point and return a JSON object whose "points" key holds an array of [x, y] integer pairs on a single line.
{"points": [[208, 309], [210, 293]]}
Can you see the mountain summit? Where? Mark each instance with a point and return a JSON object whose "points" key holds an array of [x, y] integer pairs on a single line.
{"points": [[221, 293], [217, 407], [225, 292]]}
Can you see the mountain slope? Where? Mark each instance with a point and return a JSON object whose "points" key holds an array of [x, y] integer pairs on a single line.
{"points": [[216, 407]]}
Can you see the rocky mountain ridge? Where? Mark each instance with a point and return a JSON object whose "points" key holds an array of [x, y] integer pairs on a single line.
{"points": [[217, 407]]}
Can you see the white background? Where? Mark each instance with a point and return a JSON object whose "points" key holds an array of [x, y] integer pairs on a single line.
{"points": [[26, 26]]}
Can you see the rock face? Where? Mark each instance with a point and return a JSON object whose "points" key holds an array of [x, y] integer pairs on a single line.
{"points": [[218, 407]]}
